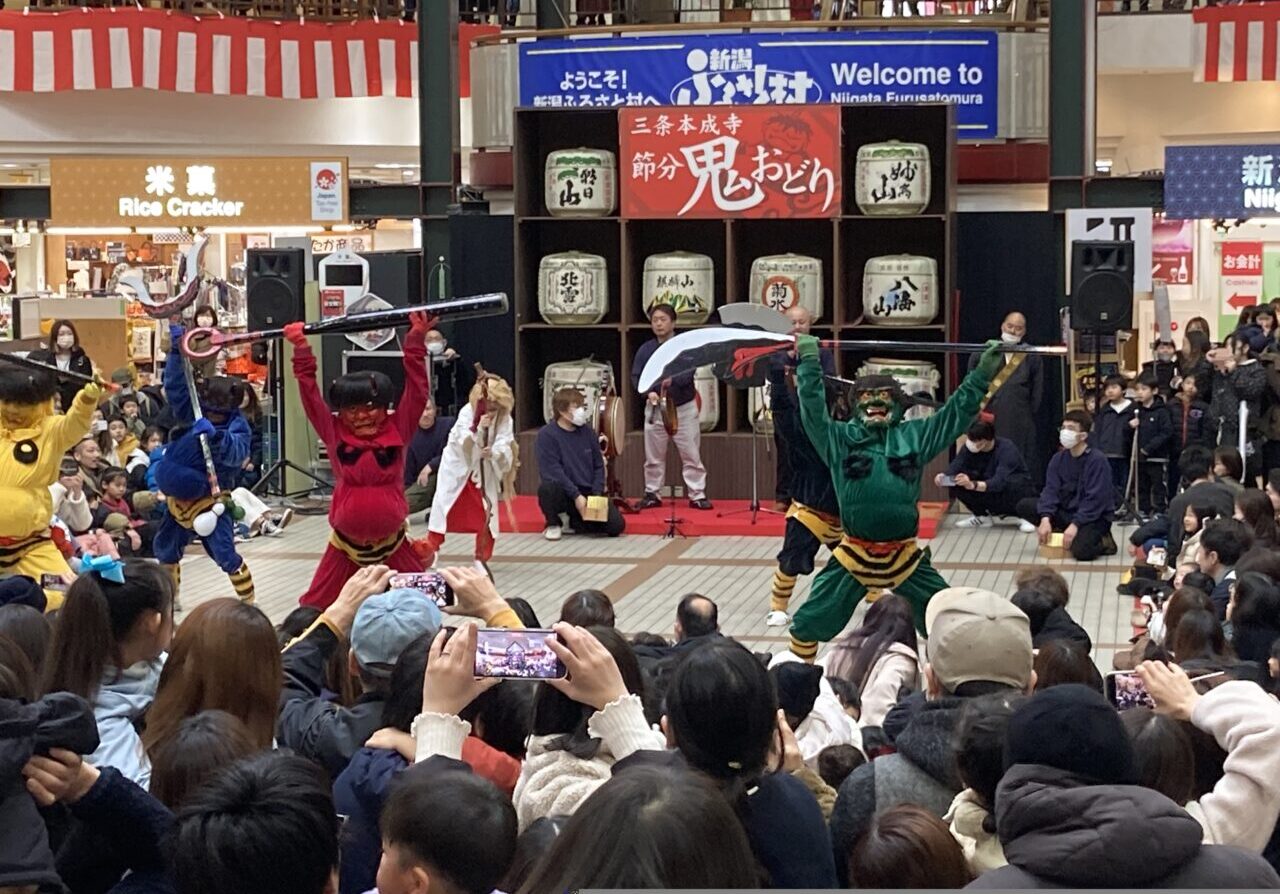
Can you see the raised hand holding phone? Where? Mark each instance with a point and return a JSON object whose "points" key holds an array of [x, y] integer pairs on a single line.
{"points": [[450, 682], [594, 679], [474, 594], [1170, 688]]}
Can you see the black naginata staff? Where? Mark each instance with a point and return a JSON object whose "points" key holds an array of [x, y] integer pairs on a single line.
{"points": [[51, 370]]}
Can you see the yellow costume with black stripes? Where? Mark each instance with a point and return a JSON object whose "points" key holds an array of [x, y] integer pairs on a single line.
{"points": [[876, 460], [32, 442]]}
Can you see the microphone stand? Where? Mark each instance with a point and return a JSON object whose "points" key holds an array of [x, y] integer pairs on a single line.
{"points": [[754, 506]]}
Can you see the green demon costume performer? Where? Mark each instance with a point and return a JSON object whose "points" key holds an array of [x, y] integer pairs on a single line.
{"points": [[876, 460]]}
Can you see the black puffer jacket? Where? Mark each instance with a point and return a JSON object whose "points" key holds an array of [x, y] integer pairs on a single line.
{"points": [[922, 772], [59, 720], [1060, 830]]}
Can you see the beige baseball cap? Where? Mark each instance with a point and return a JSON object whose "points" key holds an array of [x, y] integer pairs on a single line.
{"points": [[976, 634]]}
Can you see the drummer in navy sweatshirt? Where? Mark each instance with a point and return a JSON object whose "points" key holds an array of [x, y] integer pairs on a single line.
{"points": [[570, 469]]}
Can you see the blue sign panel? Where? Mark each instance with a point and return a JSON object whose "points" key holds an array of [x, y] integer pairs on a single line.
{"points": [[1221, 181], [958, 67]]}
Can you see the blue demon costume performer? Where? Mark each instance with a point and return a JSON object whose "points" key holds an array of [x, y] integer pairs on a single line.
{"points": [[193, 510]]}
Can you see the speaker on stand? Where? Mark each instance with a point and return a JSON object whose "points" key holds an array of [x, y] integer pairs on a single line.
{"points": [[1102, 304], [275, 282]]}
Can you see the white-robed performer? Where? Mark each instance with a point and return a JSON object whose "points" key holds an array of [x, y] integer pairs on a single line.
{"points": [[477, 470]]}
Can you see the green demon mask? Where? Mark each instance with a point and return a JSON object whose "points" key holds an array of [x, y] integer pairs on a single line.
{"points": [[878, 401]]}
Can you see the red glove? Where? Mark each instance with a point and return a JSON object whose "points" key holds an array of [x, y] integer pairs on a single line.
{"points": [[293, 332], [421, 321]]}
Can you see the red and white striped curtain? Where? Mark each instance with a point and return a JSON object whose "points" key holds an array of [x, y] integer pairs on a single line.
{"points": [[103, 49], [1237, 43]]}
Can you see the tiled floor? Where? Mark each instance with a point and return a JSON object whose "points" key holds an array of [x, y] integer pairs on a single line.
{"points": [[646, 576]]}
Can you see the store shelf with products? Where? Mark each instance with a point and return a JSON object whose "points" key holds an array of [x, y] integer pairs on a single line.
{"points": [[840, 245]]}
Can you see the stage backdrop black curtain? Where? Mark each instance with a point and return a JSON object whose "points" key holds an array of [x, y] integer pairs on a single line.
{"points": [[482, 259], [1009, 261]]}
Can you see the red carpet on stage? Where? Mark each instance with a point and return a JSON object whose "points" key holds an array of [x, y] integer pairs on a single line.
{"points": [[697, 523]]}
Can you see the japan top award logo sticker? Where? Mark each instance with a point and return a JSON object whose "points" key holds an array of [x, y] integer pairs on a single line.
{"points": [[326, 190]]}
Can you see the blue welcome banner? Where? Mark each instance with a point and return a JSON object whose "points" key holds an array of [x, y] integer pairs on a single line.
{"points": [[1221, 181], [957, 67]]}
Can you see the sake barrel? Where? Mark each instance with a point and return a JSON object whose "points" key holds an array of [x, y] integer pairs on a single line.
{"points": [[707, 387], [590, 377], [581, 183], [783, 281], [892, 178], [915, 376], [900, 290], [683, 279], [573, 288]]}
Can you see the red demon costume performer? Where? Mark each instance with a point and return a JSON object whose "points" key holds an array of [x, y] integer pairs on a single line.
{"points": [[366, 447]]}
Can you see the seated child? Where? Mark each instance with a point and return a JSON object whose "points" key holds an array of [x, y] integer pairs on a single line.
{"points": [[112, 501]]}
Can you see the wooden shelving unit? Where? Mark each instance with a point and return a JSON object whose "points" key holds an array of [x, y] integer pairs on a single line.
{"points": [[843, 244]]}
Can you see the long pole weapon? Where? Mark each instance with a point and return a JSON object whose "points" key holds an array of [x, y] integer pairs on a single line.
{"points": [[45, 367], [197, 414]]}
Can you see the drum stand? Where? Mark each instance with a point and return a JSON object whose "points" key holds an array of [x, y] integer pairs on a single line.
{"points": [[754, 506]]}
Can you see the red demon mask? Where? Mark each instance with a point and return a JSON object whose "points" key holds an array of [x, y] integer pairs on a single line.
{"points": [[363, 421]]}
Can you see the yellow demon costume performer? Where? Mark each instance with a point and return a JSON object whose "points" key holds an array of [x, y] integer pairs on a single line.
{"points": [[32, 442], [876, 460]]}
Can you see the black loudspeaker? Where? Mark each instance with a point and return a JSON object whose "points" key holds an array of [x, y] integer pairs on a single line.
{"points": [[276, 281], [1101, 286]]}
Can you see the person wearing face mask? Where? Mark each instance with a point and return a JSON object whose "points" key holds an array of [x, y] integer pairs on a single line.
{"points": [[1078, 498], [205, 318], [990, 478], [571, 468], [451, 379], [64, 352], [1013, 398]]}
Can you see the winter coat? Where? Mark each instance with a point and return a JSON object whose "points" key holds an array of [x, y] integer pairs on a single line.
{"points": [[361, 790], [311, 724], [1060, 625], [1155, 430], [118, 709], [826, 724], [1061, 830], [553, 781], [1244, 805], [72, 509], [124, 832], [969, 827], [783, 822], [1207, 493], [897, 668], [1247, 382], [59, 720], [922, 772], [1193, 423], [80, 364], [1111, 432]]}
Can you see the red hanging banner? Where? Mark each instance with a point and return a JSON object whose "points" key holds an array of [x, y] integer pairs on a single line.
{"points": [[730, 161]]}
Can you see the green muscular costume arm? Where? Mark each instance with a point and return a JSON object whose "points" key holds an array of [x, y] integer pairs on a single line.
{"points": [[955, 416], [812, 396]]}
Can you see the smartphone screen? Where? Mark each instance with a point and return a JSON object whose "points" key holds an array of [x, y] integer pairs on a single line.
{"points": [[1125, 690], [53, 582], [948, 481], [517, 655], [429, 582]]}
